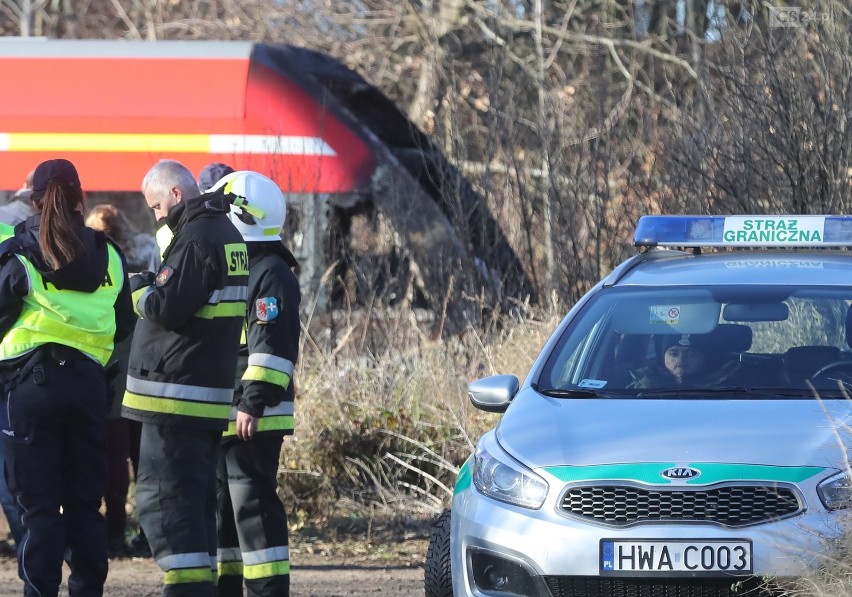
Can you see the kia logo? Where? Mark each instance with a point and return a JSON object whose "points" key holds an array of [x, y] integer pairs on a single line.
{"points": [[680, 472]]}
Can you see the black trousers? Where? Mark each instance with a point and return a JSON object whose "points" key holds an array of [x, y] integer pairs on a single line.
{"points": [[253, 540], [54, 428], [176, 500]]}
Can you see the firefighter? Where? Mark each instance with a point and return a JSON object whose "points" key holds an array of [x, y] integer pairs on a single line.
{"points": [[253, 541], [181, 372], [64, 302], [209, 175]]}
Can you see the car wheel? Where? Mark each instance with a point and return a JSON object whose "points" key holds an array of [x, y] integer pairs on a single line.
{"points": [[436, 572]]}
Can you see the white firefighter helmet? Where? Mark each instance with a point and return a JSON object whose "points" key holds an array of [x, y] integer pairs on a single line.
{"points": [[258, 210]]}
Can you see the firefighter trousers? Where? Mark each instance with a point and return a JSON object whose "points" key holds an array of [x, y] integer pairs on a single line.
{"points": [[253, 539], [176, 500], [53, 426]]}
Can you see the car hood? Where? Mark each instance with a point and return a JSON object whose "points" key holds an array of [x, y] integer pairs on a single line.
{"points": [[544, 432]]}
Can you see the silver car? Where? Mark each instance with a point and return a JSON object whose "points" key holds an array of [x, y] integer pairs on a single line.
{"points": [[619, 467]]}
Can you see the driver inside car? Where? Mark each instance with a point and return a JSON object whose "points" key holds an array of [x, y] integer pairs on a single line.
{"points": [[685, 363]]}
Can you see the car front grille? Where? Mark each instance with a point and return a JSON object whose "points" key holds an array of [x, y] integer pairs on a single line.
{"points": [[584, 586], [732, 506]]}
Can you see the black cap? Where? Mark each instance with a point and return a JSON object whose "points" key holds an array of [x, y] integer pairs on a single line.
{"points": [[697, 341], [211, 174], [61, 170]]}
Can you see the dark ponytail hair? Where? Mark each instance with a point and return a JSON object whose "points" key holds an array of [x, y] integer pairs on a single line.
{"points": [[58, 235]]}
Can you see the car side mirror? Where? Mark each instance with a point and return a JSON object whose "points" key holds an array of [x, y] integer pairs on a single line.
{"points": [[494, 393]]}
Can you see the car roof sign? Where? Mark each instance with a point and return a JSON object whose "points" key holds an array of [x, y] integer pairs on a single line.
{"points": [[813, 231]]}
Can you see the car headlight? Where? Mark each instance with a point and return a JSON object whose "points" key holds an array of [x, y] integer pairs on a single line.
{"points": [[507, 481], [836, 492]]}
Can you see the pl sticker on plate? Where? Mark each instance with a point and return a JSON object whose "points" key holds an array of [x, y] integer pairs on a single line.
{"points": [[592, 383]]}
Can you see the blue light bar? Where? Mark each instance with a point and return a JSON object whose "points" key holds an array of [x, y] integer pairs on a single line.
{"points": [[744, 231]]}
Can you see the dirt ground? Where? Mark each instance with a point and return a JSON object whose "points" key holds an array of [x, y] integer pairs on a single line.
{"points": [[311, 576], [322, 565]]}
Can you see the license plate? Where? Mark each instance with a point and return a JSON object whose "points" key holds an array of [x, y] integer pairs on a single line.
{"points": [[675, 556]]}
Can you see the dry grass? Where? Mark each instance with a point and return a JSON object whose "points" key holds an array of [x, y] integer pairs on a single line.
{"points": [[389, 430], [833, 579]]}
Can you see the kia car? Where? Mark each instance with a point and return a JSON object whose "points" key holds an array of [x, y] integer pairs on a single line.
{"points": [[610, 473]]}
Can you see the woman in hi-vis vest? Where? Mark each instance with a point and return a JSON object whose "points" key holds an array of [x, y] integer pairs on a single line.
{"points": [[64, 302]]}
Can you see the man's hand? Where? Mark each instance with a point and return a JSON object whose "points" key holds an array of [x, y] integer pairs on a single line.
{"points": [[141, 280], [246, 426], [138, 283]]}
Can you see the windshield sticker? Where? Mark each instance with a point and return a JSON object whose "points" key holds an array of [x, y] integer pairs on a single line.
{"points": [[793, 230], [666, 314], [591, 383]]}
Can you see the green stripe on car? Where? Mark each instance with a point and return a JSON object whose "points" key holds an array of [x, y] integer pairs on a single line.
{"points": [[464, 478], [651, 473]]}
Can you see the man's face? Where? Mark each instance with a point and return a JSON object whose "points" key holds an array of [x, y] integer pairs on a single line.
{"points": [[683, 360], [161, 203]]}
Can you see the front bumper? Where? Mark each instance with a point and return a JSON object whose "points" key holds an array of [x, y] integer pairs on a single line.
{"points": [[490, 537]]}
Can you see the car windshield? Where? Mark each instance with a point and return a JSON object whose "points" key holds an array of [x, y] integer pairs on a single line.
{"points": [[714, 341]]}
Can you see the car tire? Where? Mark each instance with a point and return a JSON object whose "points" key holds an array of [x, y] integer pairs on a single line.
{"points": [[437, 574]]}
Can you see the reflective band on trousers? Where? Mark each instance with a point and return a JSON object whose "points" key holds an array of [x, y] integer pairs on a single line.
{"points": [[187, 567], [261, 563], [231, 568], [184, 575], [266, 570]]}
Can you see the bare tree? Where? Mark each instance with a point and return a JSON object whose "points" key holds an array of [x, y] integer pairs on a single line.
{"points": [[565, 119], [770, 132]]}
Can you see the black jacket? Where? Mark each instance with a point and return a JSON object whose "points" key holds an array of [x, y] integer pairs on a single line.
{"points": [[272, 337], [184, 353], [84, 274]]}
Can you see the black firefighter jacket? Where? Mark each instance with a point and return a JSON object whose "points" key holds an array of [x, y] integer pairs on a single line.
{"points": [[184, 353], [268, 356]]}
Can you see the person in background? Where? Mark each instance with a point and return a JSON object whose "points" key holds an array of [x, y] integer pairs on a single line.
{"points": [[122, 434], [253, 539], [140, 250], [180, 379], [18, 209], [211, 174], [64, 302]]}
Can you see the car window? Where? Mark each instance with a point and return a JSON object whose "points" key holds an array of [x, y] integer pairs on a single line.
{"points": [[638, 340]]}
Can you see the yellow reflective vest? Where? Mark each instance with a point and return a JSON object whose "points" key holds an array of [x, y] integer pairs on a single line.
{"points": [[82, 320]]}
